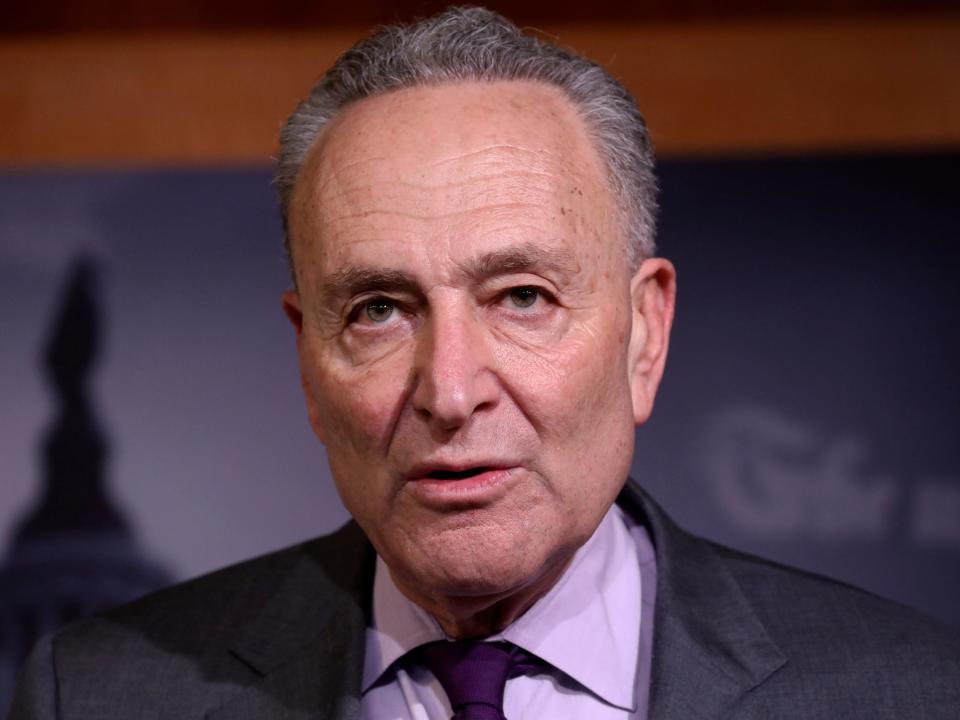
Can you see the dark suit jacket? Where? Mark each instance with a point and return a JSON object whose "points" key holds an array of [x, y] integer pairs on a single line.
{"points": [[282, 637]]}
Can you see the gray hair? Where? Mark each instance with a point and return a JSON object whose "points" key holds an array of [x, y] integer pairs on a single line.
{"points": [[476, 44]]}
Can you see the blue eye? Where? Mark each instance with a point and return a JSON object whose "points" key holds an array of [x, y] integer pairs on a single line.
{"points": [[379, 310], [524, 297]]}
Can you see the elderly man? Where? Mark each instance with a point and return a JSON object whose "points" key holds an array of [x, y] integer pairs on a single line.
{"points": [[481, 323]]}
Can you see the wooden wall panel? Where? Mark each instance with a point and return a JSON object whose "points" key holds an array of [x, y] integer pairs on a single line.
{"points": [[86, 16], [705, 89], [793, 87]]}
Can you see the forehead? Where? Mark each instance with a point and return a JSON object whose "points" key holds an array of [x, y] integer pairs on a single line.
{"points": [[502, 154]]}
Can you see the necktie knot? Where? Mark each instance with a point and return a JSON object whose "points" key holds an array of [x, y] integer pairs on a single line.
{"points": [[473, 675]]}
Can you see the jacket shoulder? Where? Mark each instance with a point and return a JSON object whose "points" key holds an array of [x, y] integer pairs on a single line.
{"points": [[199, 612], [847, 641], [175, 648], [802, 601]]}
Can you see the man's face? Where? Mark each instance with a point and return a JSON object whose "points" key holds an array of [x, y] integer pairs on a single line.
{"points": [[467, 331]]}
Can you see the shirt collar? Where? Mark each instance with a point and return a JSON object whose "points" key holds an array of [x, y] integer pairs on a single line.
{"points": [[587, 625]]}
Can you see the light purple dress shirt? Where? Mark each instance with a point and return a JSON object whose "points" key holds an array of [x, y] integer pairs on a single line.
{"points": [[594, 628]]}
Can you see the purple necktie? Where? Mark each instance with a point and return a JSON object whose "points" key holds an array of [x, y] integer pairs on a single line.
{"points": [[474, 674]]}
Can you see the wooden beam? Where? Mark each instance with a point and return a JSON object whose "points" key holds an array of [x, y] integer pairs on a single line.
{"points": [[705, 89]]}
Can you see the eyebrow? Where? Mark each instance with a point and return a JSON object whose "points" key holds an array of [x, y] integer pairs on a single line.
{"points": [[526, 257], [355, 280]]}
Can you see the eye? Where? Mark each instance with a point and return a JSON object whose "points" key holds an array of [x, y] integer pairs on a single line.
{"points": [[378, 310], [524, 297]]}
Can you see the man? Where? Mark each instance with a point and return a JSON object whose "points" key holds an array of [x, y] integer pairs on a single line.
{"points": [[481, 323]]}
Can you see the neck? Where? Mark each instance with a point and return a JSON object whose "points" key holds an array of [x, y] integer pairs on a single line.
{"points": [[473, 616]]}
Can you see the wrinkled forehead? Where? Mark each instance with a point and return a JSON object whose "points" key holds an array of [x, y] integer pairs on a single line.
{"points": [[483, 141]]}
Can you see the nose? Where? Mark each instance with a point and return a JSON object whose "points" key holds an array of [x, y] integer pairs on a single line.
{"points": [[455, 377]]}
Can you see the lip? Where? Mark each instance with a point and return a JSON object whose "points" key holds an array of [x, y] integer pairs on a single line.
{"points": [[448, 492]]}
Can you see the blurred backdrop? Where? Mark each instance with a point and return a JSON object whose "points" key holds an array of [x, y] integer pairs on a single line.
{"points": [[151, 423]]}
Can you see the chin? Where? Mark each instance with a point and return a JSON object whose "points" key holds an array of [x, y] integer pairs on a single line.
{"points": [[486, 577], [485, 562]]}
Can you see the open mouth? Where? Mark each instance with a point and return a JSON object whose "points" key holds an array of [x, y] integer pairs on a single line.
{"points": [[457, 474]]}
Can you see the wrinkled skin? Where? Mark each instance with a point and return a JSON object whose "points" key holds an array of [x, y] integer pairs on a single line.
{"points": [[464, 304]]}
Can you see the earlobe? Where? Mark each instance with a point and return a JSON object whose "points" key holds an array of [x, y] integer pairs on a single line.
{"points": [[294, 312], [313, 411], [652, 300], [292, 309]]}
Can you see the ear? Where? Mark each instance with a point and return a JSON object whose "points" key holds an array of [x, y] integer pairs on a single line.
{"points": [[294, 312], [653, 292]]}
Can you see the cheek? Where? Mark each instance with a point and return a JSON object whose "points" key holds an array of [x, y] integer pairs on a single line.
{"points": [[578, 399], [567, 385], [357, 406]]}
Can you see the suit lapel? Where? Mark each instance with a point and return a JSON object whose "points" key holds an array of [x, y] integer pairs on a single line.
{"points": [[709, 647], [306, 645]]}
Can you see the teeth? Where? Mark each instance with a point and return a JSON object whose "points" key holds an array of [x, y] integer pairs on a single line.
{"points": [[456, 474]]}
